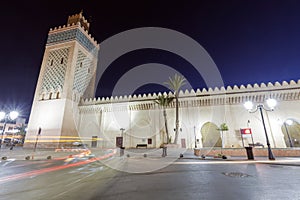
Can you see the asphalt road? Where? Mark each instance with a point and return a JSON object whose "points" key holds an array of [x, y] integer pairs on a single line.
{"points": [[86, 178]]}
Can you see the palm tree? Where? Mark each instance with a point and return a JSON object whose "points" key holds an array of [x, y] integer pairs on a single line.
{"points": [[164, 101], [175, 84], [223, 127]]}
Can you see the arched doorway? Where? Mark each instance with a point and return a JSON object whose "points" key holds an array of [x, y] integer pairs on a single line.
{"points": [[291, 132], [210, 135]]}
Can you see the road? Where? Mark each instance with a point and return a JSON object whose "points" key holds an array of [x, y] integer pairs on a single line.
{"points": [[183, 179]]}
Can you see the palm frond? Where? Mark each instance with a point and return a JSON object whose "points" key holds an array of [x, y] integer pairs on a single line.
{"points": [[175, 83], [163, 100]]}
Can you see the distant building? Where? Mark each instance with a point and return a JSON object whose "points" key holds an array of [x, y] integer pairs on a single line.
{"points": [[13, 129]]}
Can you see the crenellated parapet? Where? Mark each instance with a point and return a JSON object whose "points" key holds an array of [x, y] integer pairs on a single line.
{"points": [[284, 91]]}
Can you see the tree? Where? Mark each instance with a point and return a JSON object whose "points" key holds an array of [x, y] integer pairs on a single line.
{"points": [[164, 101], [223, 127], [175, 84]]}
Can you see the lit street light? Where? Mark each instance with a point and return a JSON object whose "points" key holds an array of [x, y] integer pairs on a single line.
{"points": [[288, 122], [12, 116], [271, 104]]}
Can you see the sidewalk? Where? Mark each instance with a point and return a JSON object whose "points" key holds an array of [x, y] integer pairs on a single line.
{"points": [[292, 161], [18, 153]]}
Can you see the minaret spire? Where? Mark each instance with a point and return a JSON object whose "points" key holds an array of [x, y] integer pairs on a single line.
{"points": [[79, 18]]}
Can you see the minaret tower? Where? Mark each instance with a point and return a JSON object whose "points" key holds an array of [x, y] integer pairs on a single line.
{"points": [[67, 74]]}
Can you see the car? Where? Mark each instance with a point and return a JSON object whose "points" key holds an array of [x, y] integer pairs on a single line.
{"points": [[7, 140], [17, 141], [77, 144]]}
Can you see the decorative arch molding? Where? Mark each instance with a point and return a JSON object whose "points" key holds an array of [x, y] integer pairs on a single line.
{"points": [[291, 132]]}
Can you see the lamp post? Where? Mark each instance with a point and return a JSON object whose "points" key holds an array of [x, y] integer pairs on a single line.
{"points": [[12, 116], [36, 141], [122, 135], [271, 105], [195, 137], [122, 147], [288, 122]]}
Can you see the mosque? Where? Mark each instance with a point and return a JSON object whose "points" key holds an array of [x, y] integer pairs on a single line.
{"points": [[65, 109]]}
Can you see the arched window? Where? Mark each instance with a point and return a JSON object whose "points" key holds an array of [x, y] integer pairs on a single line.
{"points": [[51, 63], [50, 95], [57, 95]]}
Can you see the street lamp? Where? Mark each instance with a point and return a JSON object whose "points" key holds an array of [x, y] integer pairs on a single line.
{"points": [[271, 105], [288, 122], [12, 116]]}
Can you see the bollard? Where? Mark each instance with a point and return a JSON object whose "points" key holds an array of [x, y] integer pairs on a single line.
{"points": [[122, 151], [164, 154], [249, 153]]}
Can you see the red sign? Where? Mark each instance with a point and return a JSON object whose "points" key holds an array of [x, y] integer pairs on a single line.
{"points": [[246, 131]]}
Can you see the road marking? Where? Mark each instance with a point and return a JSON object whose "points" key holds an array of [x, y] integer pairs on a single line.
{"points": [[8, 162]]}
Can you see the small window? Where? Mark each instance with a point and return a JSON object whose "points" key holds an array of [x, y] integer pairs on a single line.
{"points": [[80, 65], [57, 95], [62, 61], [50, 95], [51, 63]]}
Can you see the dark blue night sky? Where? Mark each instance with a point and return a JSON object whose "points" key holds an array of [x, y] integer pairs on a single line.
{"points": [[250, 41]]}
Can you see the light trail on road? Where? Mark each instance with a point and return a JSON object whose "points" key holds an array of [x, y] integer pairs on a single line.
{"points": [[51, 169]]}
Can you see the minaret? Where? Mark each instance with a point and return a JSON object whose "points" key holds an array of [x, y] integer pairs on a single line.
{"points": [[67, 74]]}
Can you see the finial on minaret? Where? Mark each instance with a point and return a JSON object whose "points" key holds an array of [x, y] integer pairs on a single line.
{"points": [[79, 18]]}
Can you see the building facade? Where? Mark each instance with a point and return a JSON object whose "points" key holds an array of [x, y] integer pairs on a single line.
{"points": [[65, 109], [13, 131]]}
